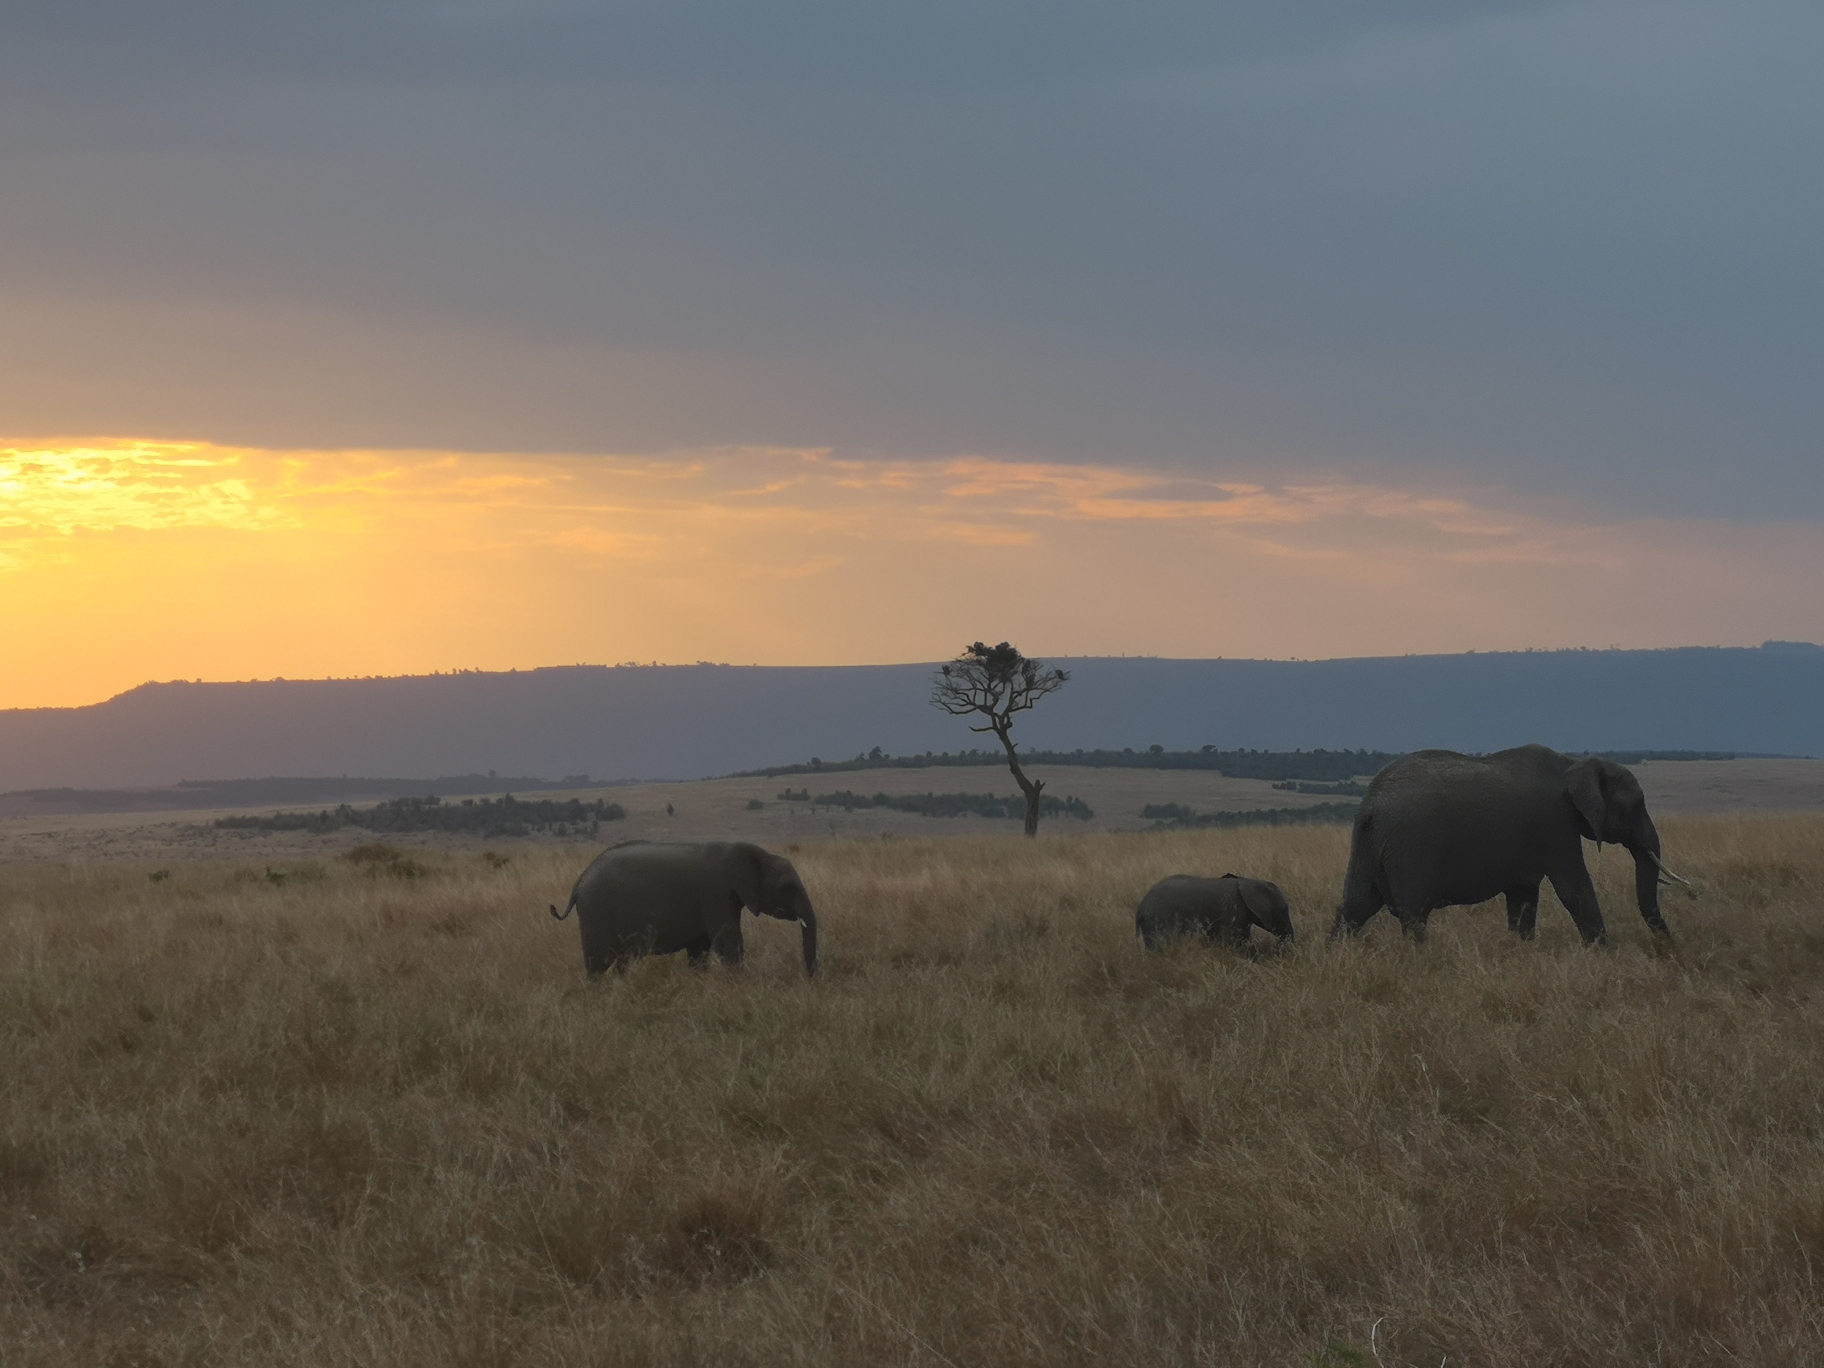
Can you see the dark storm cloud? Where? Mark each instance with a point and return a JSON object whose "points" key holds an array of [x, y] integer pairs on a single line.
{"points": [[1566, 248]]}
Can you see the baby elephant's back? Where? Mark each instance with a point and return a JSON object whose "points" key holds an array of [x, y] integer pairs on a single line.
{"points": [[1189, 904]]}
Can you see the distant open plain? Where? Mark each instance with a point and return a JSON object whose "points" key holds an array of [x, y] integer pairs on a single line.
{"points": [[718, 809]]}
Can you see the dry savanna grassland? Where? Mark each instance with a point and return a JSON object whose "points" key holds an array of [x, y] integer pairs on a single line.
{"points": [[337, 1111]]}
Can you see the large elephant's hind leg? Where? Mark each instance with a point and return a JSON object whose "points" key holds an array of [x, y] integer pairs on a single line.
{"points": [[1351, 918], [1412, 896], [1361, 898], [1523, 910]]}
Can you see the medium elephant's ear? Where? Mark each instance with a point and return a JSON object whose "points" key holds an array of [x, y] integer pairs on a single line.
{"points": [[1584, 784], [752, 865]]}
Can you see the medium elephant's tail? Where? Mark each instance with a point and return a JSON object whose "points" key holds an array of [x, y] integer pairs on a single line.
{"points": [[567, 906]]}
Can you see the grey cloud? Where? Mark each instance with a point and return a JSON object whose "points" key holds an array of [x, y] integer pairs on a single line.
{"points": [[988, 44], [1564, 247]]}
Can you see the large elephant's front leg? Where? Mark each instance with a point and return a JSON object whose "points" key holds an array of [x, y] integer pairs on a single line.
{"points": [[1413, 923], [1571, 882]]}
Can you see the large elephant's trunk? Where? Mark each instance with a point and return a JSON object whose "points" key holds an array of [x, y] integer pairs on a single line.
{"points": [[807, 925], [1647, 868]]}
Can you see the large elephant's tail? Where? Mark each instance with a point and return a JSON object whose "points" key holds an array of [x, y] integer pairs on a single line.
{"points": [[567, 906]]}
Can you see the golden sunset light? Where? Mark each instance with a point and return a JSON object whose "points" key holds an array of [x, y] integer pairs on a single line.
{"points": [[124, 561]]}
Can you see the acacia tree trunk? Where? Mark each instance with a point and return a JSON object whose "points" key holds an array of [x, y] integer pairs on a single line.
{"points": [[1032, 788]]}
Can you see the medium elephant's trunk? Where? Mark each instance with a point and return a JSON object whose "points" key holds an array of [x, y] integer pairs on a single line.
{"points": [[807, 925]]}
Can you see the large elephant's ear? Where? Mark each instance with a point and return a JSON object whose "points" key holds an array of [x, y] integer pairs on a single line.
{"points": [[1584, 784]]}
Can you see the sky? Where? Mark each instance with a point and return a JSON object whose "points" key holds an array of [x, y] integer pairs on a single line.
{"points": [[348, 339]]}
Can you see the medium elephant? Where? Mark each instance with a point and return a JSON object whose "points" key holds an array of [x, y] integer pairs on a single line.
{"points": [[654, 898], [1215, 909], [1438, 829]]}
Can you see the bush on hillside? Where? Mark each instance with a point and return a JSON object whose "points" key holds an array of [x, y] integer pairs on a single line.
{"points": [[955, 804], [506, 816]]}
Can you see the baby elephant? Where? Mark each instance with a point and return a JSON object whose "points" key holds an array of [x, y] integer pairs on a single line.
{"points": [[1216, 909]]}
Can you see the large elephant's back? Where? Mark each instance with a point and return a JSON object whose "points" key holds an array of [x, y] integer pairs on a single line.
{"points": [[1430, 789]]}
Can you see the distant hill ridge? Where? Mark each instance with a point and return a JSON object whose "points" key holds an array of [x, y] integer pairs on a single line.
{"points": [[689, 721]]}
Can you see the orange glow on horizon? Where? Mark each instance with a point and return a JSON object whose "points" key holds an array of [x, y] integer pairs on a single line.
{"points": [[128, 560]]}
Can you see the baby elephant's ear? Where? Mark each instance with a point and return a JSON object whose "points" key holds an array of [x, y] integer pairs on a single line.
{"points": [[1260, 900]]}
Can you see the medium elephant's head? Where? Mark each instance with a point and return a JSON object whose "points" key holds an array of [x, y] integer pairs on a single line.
{"points": [[777, 891], [1611, 808]]}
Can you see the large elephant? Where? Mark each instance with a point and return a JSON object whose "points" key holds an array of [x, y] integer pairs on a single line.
{"points": [[1215, 909], [653, 898], [1438, 829]]}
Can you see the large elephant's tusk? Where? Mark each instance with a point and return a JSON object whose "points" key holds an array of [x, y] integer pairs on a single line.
{"points": [[1668, 874]]}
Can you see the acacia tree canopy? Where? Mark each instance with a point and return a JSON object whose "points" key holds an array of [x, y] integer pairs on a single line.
{"points": [[995, 682]]}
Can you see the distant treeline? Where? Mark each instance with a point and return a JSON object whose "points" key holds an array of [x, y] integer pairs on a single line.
{"points": [[220, 793], [1236, 764], [944, 804], [1634, 757], [1177, 817], [231, 792], [508, 816], [1347, 787], [1313, 766]]}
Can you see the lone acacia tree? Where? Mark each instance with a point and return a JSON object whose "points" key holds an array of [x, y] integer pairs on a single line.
{"points": [[997, 682]]}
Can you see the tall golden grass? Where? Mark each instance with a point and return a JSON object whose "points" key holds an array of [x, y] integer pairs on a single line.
{"points": [[368, 1117]]}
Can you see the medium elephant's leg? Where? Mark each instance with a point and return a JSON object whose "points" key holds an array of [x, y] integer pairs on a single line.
{"points": [[728, 943], [1571, 882], [1523, 910], [1413, 924], [602, 949], [698, 951]]}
